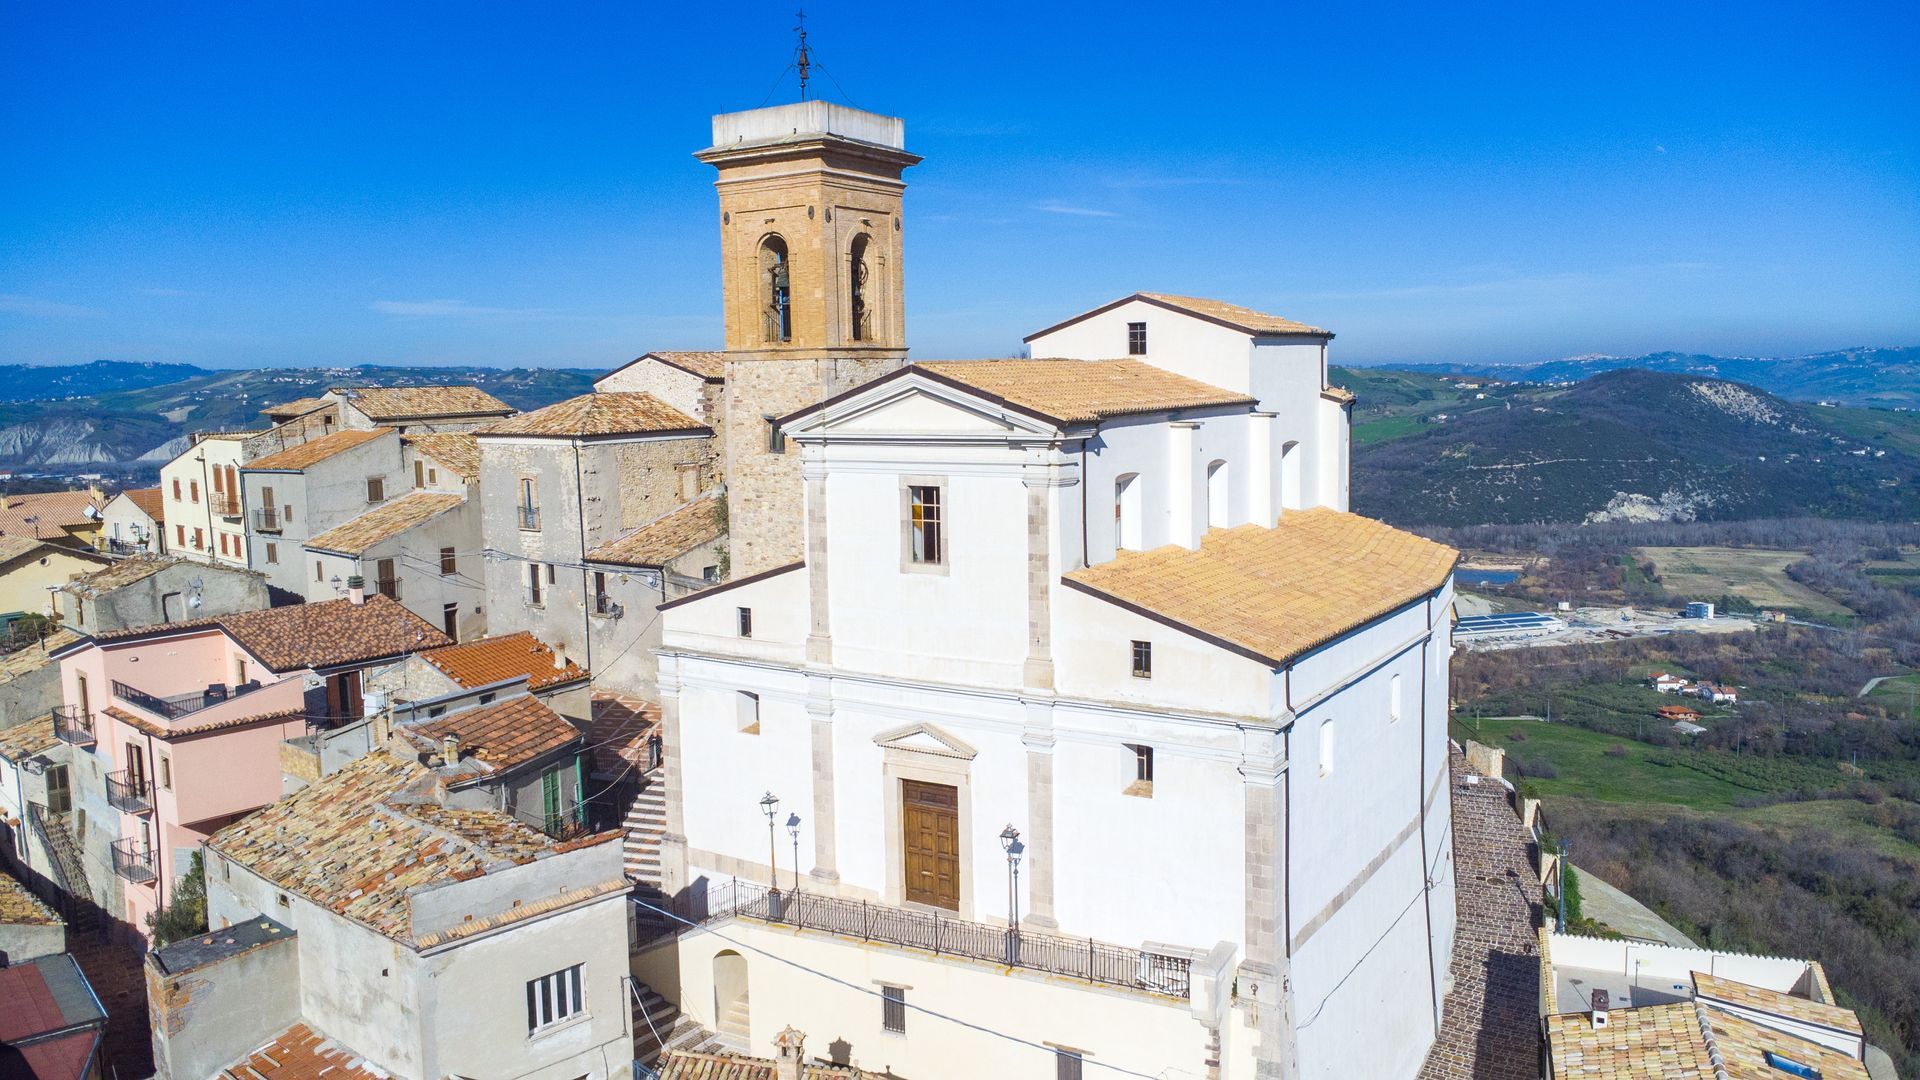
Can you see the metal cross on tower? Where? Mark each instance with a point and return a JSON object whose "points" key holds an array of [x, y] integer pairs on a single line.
{"points": [[802, 59]]}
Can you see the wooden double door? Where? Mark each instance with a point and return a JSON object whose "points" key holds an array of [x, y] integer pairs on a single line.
{"points": [[930, 816]]}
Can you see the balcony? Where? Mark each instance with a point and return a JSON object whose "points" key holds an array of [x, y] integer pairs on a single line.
{"points": [[388, 587], [124, 547], [133, 861], [529, 517], [1076, 958], [128, 792], [227, 506], [266, 519], [179, 705], [72, 725]]}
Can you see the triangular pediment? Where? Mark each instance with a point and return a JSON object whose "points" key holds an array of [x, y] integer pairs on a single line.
{"points": [[924, 738], [915, 404]]}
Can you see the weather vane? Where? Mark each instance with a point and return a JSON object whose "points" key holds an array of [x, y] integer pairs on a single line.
{"points": [[804, 61]]}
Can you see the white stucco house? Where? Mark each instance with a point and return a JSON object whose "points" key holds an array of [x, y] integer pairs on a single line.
{"points": [[1106, 624]]}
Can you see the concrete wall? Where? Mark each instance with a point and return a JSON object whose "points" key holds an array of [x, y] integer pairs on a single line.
{"points": [[21, 942], [29, 694], [191, 476], [206, 1018], [424, 589], [24, 581], [327, 493], [164, 597]]}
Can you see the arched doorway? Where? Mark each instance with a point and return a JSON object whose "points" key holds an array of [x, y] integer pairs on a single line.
{"points": [[730, 1016]]}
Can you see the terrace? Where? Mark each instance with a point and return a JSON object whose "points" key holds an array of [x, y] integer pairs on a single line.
{"points": [[179, 705]]}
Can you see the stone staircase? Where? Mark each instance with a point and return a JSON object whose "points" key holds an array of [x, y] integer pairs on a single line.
{"points": [[646, 826], [69, 873], [659, 1027]]}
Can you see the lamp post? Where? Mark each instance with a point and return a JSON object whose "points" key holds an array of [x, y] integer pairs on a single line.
{"points": [[793, 830], [770, 806], [1010, 843]]}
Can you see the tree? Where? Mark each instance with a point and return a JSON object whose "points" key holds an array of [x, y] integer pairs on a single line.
{"points": [[187, 915]]}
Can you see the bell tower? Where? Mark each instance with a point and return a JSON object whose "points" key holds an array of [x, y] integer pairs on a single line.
{"points": [[810, 230], [813, 286]]}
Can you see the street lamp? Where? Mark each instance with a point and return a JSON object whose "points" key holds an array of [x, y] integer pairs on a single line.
{"points": [[770, 805], [793, 830], [1010, 843]]}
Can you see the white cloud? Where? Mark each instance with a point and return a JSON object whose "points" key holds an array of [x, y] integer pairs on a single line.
{"points": [[435, 309], [44, 309], [1057, 207]]}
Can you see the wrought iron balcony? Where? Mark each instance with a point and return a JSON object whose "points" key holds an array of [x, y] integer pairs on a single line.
{"points": [[133, 861], [266, 519], [124, 547], [129, 792], [388, 587], [72, 725], [225, 505], [180, 705], [529, 517]]}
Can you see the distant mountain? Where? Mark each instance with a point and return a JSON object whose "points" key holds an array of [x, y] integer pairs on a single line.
{"points": [[1634, 444], [1879, 377], [128, 418]]}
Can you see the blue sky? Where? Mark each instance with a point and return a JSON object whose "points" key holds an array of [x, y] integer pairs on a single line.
{"points": [[306, 183]]}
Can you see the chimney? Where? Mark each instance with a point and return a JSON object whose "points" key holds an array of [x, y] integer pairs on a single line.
{"points": [[1601, 999], [560, 656], [792, 1063], [450, 749], [357, 589]]}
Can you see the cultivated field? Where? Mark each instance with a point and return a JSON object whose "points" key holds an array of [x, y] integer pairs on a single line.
{"points": [[1756, 575]]}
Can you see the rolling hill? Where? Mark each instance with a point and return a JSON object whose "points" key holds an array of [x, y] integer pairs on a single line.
{"points": [[1881, 377], [1631, 444]]}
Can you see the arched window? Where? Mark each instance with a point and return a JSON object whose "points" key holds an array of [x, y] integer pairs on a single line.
{"points": [[1290, 476], [1126, 513], [776, 294], [1217, 495], [859, 304]]}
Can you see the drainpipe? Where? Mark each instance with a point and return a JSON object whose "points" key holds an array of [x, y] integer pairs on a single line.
{"points": [[1420, 808], [586, 577], [1086, 557], [206, 497], [152, 776]]}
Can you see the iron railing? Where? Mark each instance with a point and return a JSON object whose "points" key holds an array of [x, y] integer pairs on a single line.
{"points": [[180, 705], [388, 587], [133, 861], [125, 547], [72, 725], [529, 517], [226, 505], [128, 791], [266, 519], [943, 935]]}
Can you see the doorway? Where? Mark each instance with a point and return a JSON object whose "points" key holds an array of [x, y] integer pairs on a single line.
{"points": [[730, 1016], [930, 819]]}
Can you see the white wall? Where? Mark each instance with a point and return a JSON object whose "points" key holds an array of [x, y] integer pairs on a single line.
{"points": [[1177, 342]]}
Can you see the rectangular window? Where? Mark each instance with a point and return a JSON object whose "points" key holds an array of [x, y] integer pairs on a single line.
{"points": [[433, 476], [193, 489], [223, 542], [554, 998], [1143, 659], [551, 570], [273, 552], [166, 773], [447, 565], [1067, 1064], [528, 512], [1136, 339], [180, 534], [1326, 747], [1142, 762], [419, 473], [450, 620], [689, 476], [893, 1008], [533, 584], [923, 502], [59, 791], [747, 712], [199, 539], [376, 489], [319, 571], [176, 489], [746, 621], [219, 481], [776, 439], [602, 603]]}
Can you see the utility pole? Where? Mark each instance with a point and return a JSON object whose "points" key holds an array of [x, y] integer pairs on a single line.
{"points": [[1560, 872]]}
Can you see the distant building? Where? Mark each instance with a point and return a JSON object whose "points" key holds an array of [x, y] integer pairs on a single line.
{"points": [[134, 522], [1512, 624], [1666, 683], [1698, 609], [1677, 712], [1682, 727], [1629, 1008]]}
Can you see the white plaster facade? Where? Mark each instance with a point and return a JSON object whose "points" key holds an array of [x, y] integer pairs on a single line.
{"points": [[126, 529], [1295, 823], [202, 522], [308, 501]]}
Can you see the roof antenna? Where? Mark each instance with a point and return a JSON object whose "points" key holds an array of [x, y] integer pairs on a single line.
{"points": [[804, 60]]}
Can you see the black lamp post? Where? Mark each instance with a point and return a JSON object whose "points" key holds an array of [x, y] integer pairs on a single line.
{"points": [[770, 806], [1010, 843], [793, 830]]}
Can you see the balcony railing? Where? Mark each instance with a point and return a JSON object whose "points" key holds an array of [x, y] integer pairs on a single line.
{"points": [[529, 517], [128, 791], [124, 547], [942, 935], [225, 505], [388, 587], [180, 705], [266, 519], [72, 725], [133, 861]]}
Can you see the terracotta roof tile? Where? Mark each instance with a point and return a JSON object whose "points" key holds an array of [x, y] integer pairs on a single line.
{"points": [[1275, 593], [1657, 1042], [1754, 997], [386, 521], [300, 1053], [296, 407], [119, 575], [1240, 318], [329, 633], [498, 737], [150, 501], [666, 537], [34, 657], [1082, 391], [1742, 1047], [389, 404], [357, 844], [22, 741], [317, 450], [710, 365], [607, 413], [457, 450], [689, 1065], [490, 660], [54, 512], [1338, 393], [19, 907]]}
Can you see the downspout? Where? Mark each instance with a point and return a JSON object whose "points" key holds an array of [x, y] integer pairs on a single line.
{"points": [[1086, 558], [152, 776], [206, 498], [580, 504], [1420, 808]]}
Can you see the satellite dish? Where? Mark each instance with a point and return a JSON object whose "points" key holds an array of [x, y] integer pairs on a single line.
{"points": [[197, 583], [193, 601]]}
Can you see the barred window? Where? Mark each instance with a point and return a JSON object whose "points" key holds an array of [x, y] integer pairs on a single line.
{"points": [[893, 1008]]}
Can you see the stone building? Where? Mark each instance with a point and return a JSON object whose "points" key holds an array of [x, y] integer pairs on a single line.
{"points": [[150, 590], [295, 495]]}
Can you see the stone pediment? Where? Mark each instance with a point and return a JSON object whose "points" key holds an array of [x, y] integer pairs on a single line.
{"points": [[925, 738]]}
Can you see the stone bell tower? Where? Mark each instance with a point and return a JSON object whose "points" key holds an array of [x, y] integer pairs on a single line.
{"points": [[812, 277]]}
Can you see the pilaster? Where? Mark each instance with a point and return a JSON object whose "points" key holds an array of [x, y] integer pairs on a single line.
{"points": [[1038, 738], [1267, 972], [825, 874], [820, 628], [1040, 481], [1180, 467], [673, 843]]}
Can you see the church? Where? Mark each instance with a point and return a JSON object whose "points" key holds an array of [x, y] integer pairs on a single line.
{"points": [[1055, 716]]}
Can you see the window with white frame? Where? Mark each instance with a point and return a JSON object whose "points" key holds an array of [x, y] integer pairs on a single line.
{"points": [[554, 998]]}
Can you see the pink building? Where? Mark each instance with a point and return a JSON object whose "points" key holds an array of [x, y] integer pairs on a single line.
{"points": [[178, 727]]}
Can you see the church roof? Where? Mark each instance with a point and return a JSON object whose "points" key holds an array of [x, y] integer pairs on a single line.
{"points": [[1274, 593], [606, 413], [1233, 316], [1080, 391]]}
